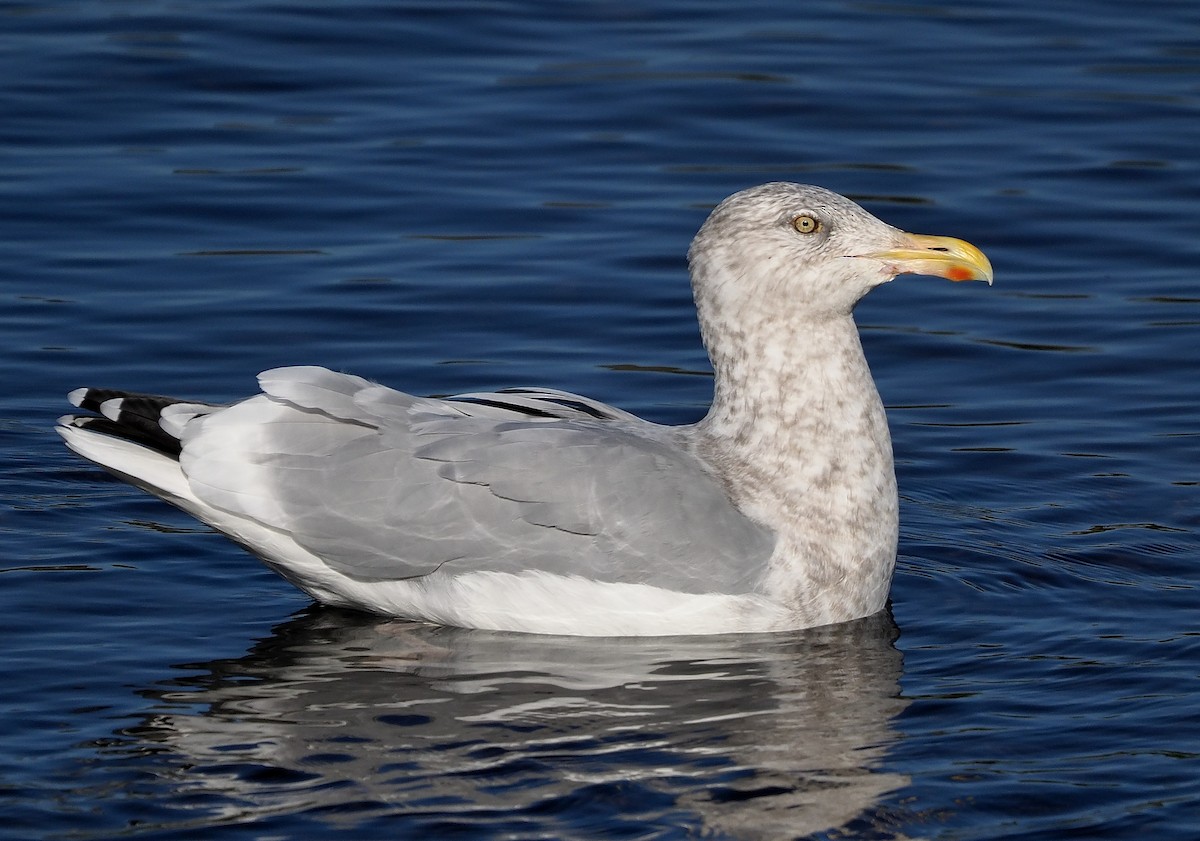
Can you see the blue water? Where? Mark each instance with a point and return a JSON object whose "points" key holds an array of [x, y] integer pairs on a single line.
{"points": [[457, 196]]}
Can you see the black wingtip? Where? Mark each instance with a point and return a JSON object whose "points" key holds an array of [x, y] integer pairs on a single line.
{"points": [[123, 414]]}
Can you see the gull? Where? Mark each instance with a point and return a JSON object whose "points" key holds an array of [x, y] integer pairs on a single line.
{"points": [[541, 511]]}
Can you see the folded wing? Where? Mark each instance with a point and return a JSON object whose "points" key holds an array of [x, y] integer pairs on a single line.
{"points": [[383, 485]]}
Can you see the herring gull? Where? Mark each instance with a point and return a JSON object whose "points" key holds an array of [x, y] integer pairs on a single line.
{"points": [[542, 511]]}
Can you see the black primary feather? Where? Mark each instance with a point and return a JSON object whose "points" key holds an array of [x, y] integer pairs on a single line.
{"points": [[123, 414]]}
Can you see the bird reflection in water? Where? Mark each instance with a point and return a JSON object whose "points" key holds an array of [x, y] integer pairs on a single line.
{"points": [[346, 719]]}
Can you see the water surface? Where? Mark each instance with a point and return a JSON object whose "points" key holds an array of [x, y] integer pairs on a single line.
{"points": [[463, 196]]}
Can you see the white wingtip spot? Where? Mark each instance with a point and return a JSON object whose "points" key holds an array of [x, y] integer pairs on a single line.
{"points": [[175, 417], [111, 409]]}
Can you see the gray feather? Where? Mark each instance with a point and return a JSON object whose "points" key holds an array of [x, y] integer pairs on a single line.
{"points": [[385, 486]]}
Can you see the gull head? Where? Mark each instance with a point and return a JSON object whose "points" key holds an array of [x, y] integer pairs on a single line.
{"points": [[799, 252]]}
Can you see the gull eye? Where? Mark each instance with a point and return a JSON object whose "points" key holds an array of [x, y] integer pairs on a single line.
{"points": [[806, 224]]}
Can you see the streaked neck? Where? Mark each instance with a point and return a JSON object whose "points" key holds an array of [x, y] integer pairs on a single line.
{"points": [[799, 434]]}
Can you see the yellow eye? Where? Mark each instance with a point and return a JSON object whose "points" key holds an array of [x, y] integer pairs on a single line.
{"points": [[806, 224]]}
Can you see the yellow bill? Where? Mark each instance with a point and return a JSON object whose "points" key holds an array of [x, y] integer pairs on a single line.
{"points": [[953, 259]]}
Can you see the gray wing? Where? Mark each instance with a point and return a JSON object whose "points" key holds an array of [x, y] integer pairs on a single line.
{"points": [[383, 485]]}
